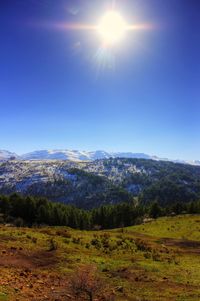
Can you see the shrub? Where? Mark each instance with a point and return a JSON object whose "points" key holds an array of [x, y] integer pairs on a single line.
{"points": [[66, 241], [52, 245], [105, 240], [34, 240], [142, 245], [96, 243], [87, 245], [76, 240], [156, 256], [87, 285], [147, 255]]}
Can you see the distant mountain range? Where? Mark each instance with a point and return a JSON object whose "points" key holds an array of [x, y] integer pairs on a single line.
{"points": [[76, 155]]}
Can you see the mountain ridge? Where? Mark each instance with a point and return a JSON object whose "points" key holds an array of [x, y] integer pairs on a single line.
{"points": [[77, 155]]}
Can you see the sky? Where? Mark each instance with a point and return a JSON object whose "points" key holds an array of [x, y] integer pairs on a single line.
{"points": [[59, 89]]}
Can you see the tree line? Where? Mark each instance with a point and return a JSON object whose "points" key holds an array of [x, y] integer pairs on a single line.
{"points": [[30, 211]]}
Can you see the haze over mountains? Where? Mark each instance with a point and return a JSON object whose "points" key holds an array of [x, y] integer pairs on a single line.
{"points": [[76, 155]]}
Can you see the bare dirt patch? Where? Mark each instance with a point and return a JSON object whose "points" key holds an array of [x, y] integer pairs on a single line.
{"points": [[187, 246], [34, 285], [17, 258]]}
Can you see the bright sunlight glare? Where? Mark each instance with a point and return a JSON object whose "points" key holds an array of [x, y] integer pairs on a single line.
{"points": [[112, 27]]}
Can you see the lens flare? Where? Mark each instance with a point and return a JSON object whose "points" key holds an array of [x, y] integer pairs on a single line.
{"points": [[112, 27]]}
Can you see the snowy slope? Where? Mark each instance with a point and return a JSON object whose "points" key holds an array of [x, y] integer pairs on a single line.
{"points": [[5, 155], [75, 155], [72, 155]]}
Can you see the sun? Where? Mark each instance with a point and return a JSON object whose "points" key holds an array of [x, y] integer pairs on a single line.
{"points": [[112, 27]]}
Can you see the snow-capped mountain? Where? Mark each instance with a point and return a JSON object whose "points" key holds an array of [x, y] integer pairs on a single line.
{"points": [[77, 156], [6, 155], [72, 155]]}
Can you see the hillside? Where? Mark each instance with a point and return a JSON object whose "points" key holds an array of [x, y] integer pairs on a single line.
{"points": [[108, 181], [40, 264]]}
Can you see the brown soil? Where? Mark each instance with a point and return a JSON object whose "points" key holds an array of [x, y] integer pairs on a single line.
{"points": [[14, 257], [186, 246], [30, 276]]}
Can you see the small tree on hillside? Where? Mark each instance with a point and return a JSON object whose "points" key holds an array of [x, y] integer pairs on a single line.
{"points": [[87, 285]]}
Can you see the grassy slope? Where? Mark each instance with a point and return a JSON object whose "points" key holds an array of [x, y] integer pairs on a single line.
{"points": [[180, 227], [155, 261]]}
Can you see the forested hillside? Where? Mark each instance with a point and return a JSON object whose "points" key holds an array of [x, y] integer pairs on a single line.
{"points": [[92, 184], [33, 211]]}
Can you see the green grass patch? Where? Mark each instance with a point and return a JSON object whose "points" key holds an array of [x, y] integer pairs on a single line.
{"points": [[3, 297]]}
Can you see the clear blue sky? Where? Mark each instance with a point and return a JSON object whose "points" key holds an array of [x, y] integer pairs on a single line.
{"points": [[55, 95]]}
